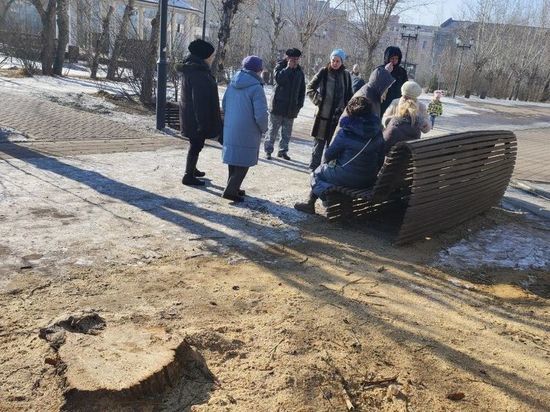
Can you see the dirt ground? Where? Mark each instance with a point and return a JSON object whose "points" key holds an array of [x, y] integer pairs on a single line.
{"points": [[306, 326]]}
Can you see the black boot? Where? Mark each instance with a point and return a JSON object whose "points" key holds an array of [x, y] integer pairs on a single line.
{"points": [[309, 206], [189, 178], [198, 173]]}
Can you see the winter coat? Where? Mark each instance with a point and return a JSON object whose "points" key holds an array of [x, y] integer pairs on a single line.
{"points": [[356, 82], [345, 170], [199, 103], [379, 80], [324, 126], [398, 73], [399, 129], [289, 92], [435, 108], [245, 119]]}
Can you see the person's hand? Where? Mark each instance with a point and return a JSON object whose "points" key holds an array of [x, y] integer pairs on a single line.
{"points": [[389, 67]]}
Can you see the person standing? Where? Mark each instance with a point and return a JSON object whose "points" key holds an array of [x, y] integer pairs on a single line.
{"points": [[435, 108], [393, 56], [356, 80], [329, 90], [288, 98], [199, 105], [245, 121]]}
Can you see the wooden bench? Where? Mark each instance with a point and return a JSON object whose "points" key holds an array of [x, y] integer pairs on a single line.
{"points": [[436, 183], [172, 115]]}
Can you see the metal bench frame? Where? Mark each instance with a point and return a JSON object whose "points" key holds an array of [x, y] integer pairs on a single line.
{"points": [[438, 183]]}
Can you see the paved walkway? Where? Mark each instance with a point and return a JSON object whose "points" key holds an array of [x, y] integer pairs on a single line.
{"points": [[58, 130]]}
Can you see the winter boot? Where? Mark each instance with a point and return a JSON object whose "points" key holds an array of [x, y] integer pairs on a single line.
{"points": [[307, 207]]}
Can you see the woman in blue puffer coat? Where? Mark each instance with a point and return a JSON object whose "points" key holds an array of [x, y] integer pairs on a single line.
{"points": [[245, 121], [354, 157]]}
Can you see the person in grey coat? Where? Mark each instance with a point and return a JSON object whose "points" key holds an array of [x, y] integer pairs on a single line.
{"points": [[245, 121], [354, 157], [288, 98]]}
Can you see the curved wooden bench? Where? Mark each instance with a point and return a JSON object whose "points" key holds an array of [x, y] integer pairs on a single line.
{"points": [[438, 182]]}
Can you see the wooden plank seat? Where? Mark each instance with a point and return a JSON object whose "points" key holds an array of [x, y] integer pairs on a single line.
{"points": [[172, 115], [437, 183]]}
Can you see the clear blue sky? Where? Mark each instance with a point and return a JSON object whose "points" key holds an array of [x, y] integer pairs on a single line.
{"points": [[434, 14]]}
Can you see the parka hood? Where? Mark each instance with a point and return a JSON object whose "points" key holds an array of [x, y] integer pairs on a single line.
{"points": [[363, 127], [380, 80], [245, 78], [192, 62], [392, 51]]}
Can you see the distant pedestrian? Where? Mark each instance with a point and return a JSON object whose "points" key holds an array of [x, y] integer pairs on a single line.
{"points": [[288, 98], [435, 108], [406, 118], [245, 120], [356, 80], [393, 55], [199, 105], [329, 90]]}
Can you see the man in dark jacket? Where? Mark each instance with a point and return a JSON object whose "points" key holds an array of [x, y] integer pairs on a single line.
{"points": [[288, 98], [393, 55], [200, 117]]}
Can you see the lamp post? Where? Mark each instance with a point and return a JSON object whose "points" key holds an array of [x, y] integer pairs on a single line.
{"points": [[461, 45], [408, 33], [204, 20], [161, 67]]}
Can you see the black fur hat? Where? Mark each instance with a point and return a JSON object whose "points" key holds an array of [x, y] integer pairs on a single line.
{"points": [[201, 48], [293, 53]]}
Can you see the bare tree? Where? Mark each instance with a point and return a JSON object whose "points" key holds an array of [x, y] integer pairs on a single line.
{"points": [[100, 42], [4, 9], [47, 17], [229, 9], [146, 95], [63, 36], [273, 9], [119, 41]]}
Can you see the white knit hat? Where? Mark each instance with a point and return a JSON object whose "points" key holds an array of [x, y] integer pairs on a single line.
{"points": [[411, 89]]}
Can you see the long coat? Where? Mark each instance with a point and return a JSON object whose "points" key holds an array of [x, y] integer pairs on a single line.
{"points": [[354, 165], [199, 103], [245, 119], [289, 92], [401, 128], [323, 128], [398, 73]]}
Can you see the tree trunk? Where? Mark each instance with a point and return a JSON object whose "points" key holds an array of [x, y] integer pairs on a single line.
{"points": [[119, 41], [229, 9], [146, 96], [100, 42], [4, 12], [47, 16], [63, 36]]}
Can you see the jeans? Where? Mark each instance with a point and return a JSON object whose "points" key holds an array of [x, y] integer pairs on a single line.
{"points": [[317, 153], [277, 122], [432, 118]]}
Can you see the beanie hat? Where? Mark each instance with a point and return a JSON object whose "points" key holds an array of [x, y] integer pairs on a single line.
{"points": [[293, 52], [340, 53], [201, 48], [411, 89], [253, 63]]}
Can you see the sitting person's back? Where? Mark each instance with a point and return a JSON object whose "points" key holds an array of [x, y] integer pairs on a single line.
{"points": [[406, 118], [354, 157]]}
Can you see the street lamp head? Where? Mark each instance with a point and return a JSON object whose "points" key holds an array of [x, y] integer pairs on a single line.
{"points": [[256, 21], [458, 41], [471, 42]]}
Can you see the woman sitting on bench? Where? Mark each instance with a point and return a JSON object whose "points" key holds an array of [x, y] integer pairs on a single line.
{"points": [[406, 118], [354, 157]]}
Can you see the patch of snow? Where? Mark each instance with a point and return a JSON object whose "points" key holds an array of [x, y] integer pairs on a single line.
{"points": [[511, 245]]}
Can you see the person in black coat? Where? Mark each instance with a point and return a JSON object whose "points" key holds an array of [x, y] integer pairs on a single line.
{"points": [[288, 98], [393, 55], [199, 105]]}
